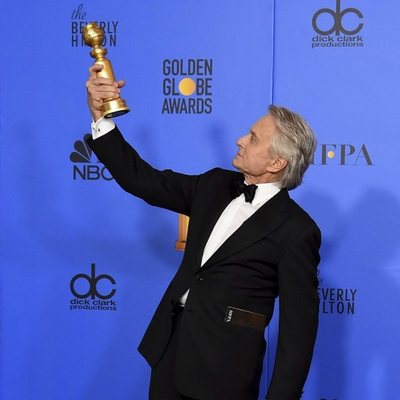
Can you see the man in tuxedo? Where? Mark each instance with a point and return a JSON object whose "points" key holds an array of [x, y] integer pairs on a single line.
{"points": [[247, 244]]}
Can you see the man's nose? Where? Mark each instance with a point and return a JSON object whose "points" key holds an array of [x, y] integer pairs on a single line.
{"points": [[240, 141]]}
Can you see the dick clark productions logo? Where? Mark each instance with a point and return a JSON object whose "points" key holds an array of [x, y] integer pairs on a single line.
{"points": [[93, 292], [338, 28]]}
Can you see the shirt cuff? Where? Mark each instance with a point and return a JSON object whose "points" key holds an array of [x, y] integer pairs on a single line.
{"points": [[101, 127]]}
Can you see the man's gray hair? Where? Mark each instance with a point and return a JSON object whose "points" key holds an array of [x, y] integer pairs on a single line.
{"points": [[295, 142]]}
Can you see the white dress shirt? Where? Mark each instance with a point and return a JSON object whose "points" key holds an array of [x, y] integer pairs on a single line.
{"points": [[101, 127], [236, 212]]}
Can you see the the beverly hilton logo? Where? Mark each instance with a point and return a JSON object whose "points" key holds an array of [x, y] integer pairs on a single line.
{"points": [[79, 18], [336, 300], [86, 166], [338, 28], [187, 86]]}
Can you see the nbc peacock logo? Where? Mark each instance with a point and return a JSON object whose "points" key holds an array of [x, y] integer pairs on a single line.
{"points": [[86, 167]]}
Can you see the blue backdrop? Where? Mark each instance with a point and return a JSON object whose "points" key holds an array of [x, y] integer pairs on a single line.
{"points": [[79, 282]]}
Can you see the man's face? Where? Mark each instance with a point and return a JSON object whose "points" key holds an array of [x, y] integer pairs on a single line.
{"points": [[254, 158]]}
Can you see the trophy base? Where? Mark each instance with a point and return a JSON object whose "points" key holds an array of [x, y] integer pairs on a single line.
{"points": [[180, 245], [114, 108]]}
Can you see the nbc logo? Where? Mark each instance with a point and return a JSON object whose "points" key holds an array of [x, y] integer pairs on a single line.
{"points": [[86, 167]]}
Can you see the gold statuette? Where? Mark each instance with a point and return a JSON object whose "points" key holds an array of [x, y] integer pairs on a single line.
{"points": [[182, 232], [93, 36]]}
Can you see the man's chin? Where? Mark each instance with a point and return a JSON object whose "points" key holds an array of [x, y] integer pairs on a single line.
{"points": [[235, 163]]}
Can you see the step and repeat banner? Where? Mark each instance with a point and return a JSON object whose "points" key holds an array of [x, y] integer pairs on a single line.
{"points": [[83, 264], [338, 63]]}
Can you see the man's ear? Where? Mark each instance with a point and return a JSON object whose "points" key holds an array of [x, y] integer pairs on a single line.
{"points": [[278, 164]]}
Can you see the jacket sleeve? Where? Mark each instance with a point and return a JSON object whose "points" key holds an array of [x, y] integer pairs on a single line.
{"points": [[166, 189], [298, 316]]}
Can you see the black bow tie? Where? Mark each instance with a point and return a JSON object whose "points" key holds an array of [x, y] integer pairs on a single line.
{"points": [[249, 191]]}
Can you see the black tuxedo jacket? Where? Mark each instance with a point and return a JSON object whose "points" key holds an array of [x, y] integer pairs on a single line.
{"points": [[274, 253]]}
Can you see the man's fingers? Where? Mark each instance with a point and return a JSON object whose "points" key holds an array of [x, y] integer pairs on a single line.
{"points": [[100, 88], [98, 81], [103, 95], [102, 91], [93, 87], [121, 84], [108, 89], [94, 69]]}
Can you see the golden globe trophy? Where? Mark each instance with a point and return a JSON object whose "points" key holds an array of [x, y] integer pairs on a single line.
{"points": [[93, 36], [183, 226]]}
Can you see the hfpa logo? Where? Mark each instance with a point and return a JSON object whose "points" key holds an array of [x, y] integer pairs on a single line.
{"points": [[342, 155], [86, 166]]}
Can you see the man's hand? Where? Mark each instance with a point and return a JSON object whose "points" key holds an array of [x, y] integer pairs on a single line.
{"points": [[99, 89]]}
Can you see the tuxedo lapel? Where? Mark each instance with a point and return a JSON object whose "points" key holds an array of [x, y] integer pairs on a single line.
{"points": [[261, 223], [217, 203]]}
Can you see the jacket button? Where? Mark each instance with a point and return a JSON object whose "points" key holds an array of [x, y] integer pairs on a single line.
{"points": [[199, 278]]}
